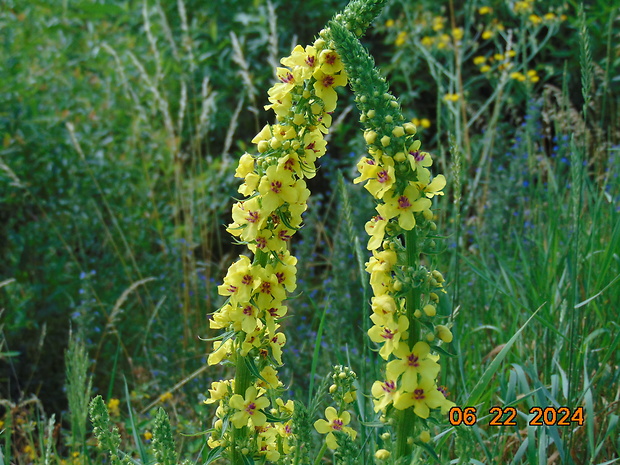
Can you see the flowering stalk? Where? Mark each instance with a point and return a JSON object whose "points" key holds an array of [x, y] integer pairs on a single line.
{"points": [[275, 197], [406, 292]]}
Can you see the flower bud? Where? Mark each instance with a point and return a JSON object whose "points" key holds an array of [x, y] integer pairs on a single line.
{"points": [[410, 128], [382, 454], [371, 113], [385, 141], [425, 436], [370, 137], [430, 310], [444, 333], [386, 436], [332, 388], [398, 131]]}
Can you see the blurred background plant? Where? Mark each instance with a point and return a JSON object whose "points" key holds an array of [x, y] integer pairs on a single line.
{"points": [[121, 124]]}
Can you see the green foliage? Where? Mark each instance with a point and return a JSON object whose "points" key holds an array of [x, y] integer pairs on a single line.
{"points": [[163, 442], [79, 386]]}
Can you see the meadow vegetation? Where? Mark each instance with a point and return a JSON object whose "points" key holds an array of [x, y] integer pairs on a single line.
{"points": [[122, 124]]}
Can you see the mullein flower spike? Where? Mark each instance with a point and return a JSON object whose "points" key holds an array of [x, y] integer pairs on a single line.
{"points": [[251, 418], [396, 173]]}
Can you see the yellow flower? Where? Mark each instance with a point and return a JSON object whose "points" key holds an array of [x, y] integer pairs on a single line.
{"points": [[324, 87], [276, 187], [427, 41], [401, 38], [330, 63], [334, 422], [411, 363], [535, 19], [517, 76], [485, 69], [487, 34], [113, 407], [485, 10], [424, 397], [457, 33], [434, 188], [549, 16], [425, 123], [248, 218], [148, 435], [383, 393], [219, 390], [375, 228], [520, 7], [451, 97], [166, 396], [389, 23], [305, 59], [288, 80], [403, 206], [479, 60], [532, 76], [498, 57], [240, 280], [438, 23], [248, 408], [388, 332]]}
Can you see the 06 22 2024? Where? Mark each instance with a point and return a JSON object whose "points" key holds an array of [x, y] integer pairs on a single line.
{"points": [[507, 416]]}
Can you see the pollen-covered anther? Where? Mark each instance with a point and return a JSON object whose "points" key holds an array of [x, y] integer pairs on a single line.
{"points": [[403, 202]]}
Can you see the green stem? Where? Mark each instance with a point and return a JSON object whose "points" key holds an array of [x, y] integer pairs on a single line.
{"points": [[319, 456], [242, 382], [405, 420]]}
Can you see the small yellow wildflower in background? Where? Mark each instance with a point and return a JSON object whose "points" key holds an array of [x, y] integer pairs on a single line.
{"points": [[438, 23], [30, 452], [485, 69], [479, 60], [421, 123], [511, 53], [522, 7], [532, 75], [457, 33], [485, 10], [498, 57], [427, 41], [487, 34], [401, 38], [389, 23], [517, 76], [113, 405], [444, 41], [451, 97], [535, 19], [549, 16], [148, 435], [425, 437], [166, 396]]}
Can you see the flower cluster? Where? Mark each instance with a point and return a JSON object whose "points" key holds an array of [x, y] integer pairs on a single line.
{"points": [[343, 393], [275, 198], [406, 293]]}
